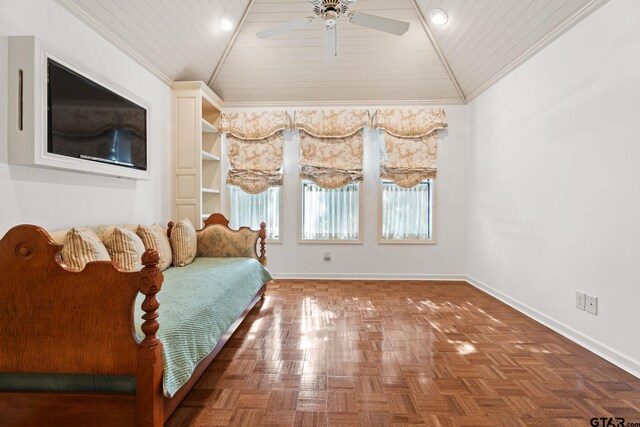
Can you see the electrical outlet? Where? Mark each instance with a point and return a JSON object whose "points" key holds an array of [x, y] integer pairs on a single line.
{"points": [[327, 256], [592, 305], [581, 300]]}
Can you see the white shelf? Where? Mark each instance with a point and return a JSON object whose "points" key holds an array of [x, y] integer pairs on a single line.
{"points": [[208, 127], [197, 181], [208, 156]]}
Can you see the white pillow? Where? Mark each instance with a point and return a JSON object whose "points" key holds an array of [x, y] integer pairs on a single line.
{"points": [[81, 247], [184, 243], [126, 249], [155, 237]]}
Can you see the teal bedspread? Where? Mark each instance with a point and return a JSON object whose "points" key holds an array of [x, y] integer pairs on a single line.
{"points": [[198, 303]]}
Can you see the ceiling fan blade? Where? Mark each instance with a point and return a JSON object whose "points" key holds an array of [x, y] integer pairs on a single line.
{"points": [[291, 25], [330, 43], [380, 23]]}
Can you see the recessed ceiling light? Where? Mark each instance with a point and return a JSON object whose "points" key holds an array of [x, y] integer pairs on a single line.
{"points": [[225, 24], [439, 17]]}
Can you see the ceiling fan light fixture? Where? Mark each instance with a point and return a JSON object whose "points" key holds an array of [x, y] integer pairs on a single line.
{"points": [[225, 24], [438, 17], [330, 19]]}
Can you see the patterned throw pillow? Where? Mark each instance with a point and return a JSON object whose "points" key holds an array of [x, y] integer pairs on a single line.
{"points": [[155, 237], [183, 243], [126, 249], [81, 247]]}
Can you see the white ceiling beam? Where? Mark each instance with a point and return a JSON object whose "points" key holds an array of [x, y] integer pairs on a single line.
{"points": [[230, 44], [435, 45]]}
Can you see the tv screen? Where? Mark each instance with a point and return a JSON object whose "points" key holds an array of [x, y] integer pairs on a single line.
{"points": [[88, 121]]}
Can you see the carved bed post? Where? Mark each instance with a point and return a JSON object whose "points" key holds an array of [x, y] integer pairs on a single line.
{"points": [[149, 397], [262, 235], [169, 228]]}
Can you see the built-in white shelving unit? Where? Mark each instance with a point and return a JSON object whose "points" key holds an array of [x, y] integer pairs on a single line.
{"points": [[197, 182]]}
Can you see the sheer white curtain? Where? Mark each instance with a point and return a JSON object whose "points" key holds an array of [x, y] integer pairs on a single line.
{"points": [[251, 209], [406, 212], [330, 214]]}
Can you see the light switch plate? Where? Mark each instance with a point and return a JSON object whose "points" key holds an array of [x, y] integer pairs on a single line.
{"points": [[581, 300], [592, 305]]}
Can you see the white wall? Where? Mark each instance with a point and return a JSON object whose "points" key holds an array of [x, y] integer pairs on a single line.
{"points": [[370, 259], [554, 176], [56, 198]]}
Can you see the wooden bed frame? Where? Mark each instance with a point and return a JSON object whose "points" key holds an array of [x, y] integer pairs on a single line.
{"points": [[218, 218], [55, 320]]}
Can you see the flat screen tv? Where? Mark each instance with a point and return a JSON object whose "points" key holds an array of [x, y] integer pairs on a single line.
{"points": [[88, 121]]}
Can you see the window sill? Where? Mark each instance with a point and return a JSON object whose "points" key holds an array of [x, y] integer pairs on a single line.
{"points": [[330, 242], [406, 242]]}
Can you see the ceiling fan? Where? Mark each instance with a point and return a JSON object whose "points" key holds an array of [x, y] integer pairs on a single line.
{"points": [[331, 11]]}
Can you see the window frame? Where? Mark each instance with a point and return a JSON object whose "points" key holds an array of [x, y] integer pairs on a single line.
{"points": [[268, 240], [358, 241], [434, 217]]}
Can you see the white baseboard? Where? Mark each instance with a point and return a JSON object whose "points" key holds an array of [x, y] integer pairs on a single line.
{"points": [[602, 350], [369, 276]]}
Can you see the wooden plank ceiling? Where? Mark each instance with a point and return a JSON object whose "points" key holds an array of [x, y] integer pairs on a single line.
{"points": [[181, 40], [482, 42]]}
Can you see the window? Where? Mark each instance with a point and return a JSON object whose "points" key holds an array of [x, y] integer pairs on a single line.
{"points": [[330, 214], [407, 213], [252, 209]]}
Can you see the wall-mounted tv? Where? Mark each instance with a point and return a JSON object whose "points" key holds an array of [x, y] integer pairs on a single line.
{"points": [[88, 121]]}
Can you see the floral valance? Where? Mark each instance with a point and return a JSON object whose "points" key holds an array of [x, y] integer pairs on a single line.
{"points": [[255, 165], [331, 123], [331, 162], [254, 125], [407, 161], [410, 123], [254, 182]]}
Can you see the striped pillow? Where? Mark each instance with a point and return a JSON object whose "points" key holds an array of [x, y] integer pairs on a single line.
{"points": [[126, 249], [155, 237], [183, 243], [81, 247]]}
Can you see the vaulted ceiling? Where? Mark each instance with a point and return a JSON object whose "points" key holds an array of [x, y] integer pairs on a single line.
{"points": [[482, 42]]}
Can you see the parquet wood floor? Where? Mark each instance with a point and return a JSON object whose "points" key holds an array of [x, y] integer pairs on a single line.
{"points": [[373, 353]]}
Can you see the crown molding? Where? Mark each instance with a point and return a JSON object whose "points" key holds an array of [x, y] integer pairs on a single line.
{"points": [[552, 35], [80, 13], [356, 103]]}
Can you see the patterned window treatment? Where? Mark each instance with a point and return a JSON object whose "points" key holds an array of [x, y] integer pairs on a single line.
{"points": [[410, 148], [254, 148], [331, 145]]}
